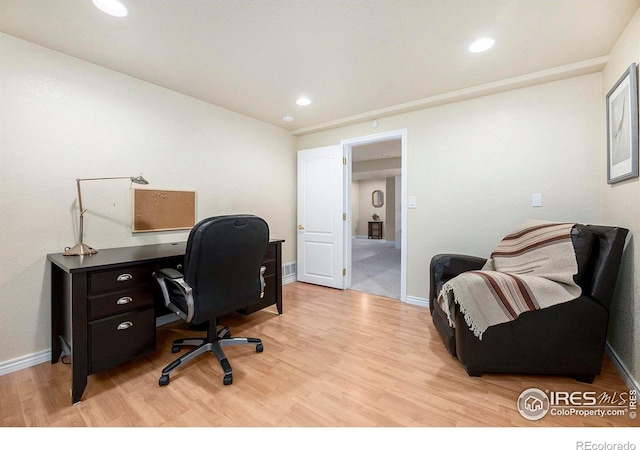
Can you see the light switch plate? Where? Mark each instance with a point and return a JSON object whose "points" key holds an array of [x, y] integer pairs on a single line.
{"points": [[536, 200], [412, 202]]}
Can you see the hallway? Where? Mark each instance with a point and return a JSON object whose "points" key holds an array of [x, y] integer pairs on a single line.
{"points": [[375, 266]]}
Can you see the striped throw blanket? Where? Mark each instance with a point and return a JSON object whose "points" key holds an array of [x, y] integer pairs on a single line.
{"points": [[530, 269]]}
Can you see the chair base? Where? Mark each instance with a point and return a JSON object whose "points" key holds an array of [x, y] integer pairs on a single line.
{"points": [[213, 343]]}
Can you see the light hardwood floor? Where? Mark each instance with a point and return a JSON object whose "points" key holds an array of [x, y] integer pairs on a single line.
{"points": [[332, 359]]}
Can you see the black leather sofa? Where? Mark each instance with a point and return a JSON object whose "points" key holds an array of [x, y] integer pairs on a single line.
{"points": [[566, 339]]}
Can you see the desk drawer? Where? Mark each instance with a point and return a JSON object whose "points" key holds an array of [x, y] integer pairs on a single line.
{"points": [[119, 279], [120, 301], [117, 339]]}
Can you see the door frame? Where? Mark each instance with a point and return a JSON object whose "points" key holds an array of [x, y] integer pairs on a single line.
{"points": [[348, 145]]}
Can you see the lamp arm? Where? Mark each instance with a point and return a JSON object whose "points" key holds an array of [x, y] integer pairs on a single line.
{"points": [[81, 248], [105, 178], [138, 180], [82, 210], [79, 197]]}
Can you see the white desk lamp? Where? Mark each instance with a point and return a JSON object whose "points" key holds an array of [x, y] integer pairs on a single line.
{"points": [[81, 248]]}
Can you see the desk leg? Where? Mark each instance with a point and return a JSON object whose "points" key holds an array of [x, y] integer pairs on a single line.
{"points": [[80, 351], [57, 299], [78, 384], [279, 292], [279, 277]]}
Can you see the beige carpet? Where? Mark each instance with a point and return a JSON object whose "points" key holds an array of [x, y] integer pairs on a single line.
{"points": [[375, 266]]}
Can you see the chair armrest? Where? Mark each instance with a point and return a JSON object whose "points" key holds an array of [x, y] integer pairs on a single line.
{"points": [[263, 269], [165, 275], [445, 266], [168, 273]]}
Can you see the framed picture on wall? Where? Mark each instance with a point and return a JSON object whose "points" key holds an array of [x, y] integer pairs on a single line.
{"points": [[622, 127]]}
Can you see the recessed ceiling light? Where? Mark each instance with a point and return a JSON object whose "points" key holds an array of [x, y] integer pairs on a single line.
{"points": [[288, 118], [481, 45], [303, 101], [111, 7]]}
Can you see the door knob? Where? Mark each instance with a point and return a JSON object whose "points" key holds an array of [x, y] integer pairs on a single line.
{"points": [[300, 227]]}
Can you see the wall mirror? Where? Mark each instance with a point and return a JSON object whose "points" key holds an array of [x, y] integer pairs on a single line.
{"points": [[377, 199]]}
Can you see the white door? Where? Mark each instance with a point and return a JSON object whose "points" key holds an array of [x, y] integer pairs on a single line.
{"points": [[321, 210]]}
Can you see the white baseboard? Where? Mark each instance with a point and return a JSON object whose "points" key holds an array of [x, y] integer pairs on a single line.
{"points": [[417, 301], [386, 241], [626, 376], [628, 379], [34, 359], [23, 362], [289, 279]]}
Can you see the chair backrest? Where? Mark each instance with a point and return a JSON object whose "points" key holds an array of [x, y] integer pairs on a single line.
{"points": [[222, 264], [601, 274]]}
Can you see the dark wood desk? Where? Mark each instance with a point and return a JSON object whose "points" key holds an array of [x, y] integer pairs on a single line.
{"points": [[103, 306]]}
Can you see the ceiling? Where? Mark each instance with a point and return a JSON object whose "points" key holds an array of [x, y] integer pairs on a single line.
{"points": [[355, 59], [377, 150], [389, 150]]}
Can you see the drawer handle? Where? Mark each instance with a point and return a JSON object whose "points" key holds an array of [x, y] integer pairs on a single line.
{"points": [[125, 277], [125, 325], [124, 300]]}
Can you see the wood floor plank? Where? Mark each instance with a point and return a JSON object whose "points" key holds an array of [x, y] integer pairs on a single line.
{"points": [[333, 359]]}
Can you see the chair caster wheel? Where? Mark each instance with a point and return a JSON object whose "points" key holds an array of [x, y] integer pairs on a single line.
{"points": [[259, 348], [227, 380], [164, 380], [175, 349]]}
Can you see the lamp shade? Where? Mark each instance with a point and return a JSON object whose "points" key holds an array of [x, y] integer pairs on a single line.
{"points": [[139, 180]]}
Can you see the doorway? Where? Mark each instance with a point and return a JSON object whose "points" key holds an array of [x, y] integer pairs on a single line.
{"points": [[376, 163]]}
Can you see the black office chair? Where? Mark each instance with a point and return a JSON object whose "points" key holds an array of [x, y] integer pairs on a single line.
{"points": [[223, 272]]}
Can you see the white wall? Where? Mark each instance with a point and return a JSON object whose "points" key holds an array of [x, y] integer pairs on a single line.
{"points": [[355, 209], [62, 119], [473, 166], [391, 212], [366, 209], [362, 209], [621, 206], [398, 205]]}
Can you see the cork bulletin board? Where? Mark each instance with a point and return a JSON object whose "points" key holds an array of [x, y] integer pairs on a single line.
{"points": [[157, 210]]}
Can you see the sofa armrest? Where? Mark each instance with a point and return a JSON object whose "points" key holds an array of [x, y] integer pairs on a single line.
{"points": [[445, 266]]}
